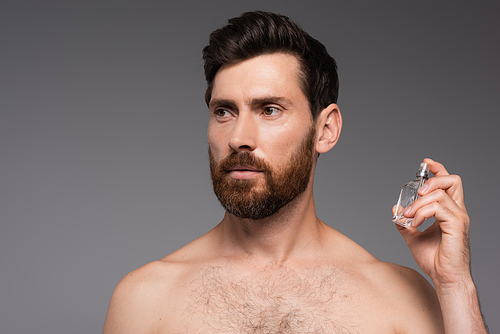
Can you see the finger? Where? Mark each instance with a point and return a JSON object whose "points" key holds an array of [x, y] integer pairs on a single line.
{"points": [[400, 211], [440, 206], [431, 210], [394, 210], [409, 233], [451, 184], [437, 196], [436, 168]]}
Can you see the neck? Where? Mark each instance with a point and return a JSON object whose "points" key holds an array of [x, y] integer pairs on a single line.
{"points": [[294, 229]]}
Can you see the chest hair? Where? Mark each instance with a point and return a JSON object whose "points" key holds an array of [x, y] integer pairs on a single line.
{"points": [[275, 300]]}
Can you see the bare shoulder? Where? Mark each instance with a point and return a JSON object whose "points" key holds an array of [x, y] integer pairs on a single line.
{"points": [[412, 298], [391, 279], [398, 281], [145, 298], [140, 296], [399, 294]]}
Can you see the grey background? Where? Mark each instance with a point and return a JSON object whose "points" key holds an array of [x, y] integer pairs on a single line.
{"points": [[103, 137]]}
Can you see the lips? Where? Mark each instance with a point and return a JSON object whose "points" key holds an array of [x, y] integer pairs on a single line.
{"points": [[240, 165], [240, 168], [243, 172]]}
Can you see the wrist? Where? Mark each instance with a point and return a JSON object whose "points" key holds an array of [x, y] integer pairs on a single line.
{"points": [[458, 277], [461, 290], [460, 307]]}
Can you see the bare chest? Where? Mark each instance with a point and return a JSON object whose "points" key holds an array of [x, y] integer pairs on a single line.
{"points": [[280, 300]]}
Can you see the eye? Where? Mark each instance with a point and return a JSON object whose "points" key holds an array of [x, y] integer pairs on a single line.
{"points": [[221, 113], [271, 111]]}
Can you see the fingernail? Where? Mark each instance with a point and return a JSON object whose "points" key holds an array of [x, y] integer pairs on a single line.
{"points": [[423, 189], [407, 210]]}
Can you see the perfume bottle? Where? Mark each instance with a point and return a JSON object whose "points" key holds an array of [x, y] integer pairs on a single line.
{"points": [[409, 194]]}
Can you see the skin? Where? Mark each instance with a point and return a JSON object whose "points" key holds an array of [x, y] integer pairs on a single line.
{"points": [[215, 283], [442, 251]]}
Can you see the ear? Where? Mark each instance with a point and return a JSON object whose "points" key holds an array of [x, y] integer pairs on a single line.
{"points": [[328, 125]]}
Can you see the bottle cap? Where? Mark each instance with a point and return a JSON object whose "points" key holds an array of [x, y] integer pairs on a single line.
{"points": [[424, 166], [423, 171]]}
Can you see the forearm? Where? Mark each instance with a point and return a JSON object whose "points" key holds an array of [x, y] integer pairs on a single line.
{"points": [[460, 307]]}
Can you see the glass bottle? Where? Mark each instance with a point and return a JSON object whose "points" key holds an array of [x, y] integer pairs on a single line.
{"points": [[409, 194]]}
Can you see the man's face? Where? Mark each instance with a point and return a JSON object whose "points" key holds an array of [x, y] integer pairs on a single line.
{"points": [[261, 135]]}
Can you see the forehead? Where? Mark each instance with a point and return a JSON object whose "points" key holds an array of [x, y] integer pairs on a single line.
{"points": [[266, 75]]}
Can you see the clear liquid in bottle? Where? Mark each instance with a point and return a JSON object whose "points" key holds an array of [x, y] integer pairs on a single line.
{"points": [[408, 194]]}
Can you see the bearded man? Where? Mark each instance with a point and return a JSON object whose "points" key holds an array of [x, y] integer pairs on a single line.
{"points": [[271, 265]]}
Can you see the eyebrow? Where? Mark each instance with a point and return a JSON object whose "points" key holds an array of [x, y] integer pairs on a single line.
{"points": [[253, 102], [269, 99], [221, 102]]}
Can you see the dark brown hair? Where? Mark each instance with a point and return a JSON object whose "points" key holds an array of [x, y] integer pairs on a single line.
{"points": [[257, 33]]}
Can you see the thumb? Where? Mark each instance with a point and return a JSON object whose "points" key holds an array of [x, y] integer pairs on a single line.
{"points": [[406, 232]]}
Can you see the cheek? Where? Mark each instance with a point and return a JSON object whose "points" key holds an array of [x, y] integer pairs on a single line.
{"points": [[286, 137], [210, 132], [214, 153], [282, 143], [215, 142]]}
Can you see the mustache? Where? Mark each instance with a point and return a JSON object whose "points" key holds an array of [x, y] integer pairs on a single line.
{"points": [[243, 159]]}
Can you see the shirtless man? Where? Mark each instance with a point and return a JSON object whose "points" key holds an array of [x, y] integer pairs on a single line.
{"points": [[271, 265]]}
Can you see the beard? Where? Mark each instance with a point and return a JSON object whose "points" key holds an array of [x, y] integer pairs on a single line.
{"points": [[245, 198]]}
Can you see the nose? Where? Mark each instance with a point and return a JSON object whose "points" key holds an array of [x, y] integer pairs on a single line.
{"points": [[244, 133]]}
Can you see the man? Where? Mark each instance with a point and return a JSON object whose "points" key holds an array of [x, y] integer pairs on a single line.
{"points": [[271, 265]]}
